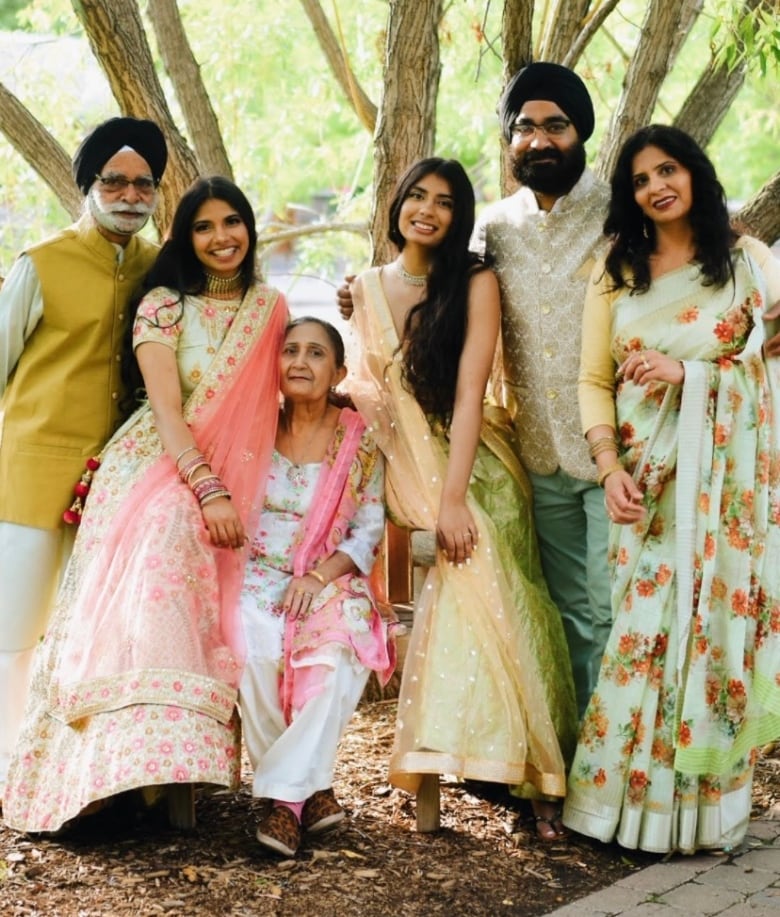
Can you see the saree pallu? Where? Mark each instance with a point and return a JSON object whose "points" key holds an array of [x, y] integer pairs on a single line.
{"points": [[136, 681], [486, 691], [689, 684]]}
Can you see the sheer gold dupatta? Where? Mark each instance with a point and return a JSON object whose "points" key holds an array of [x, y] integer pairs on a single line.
{"points": [[471, 702]]}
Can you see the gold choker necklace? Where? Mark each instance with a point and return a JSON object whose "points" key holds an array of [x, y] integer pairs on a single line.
{"points": [[414, 280], [223, 286]]}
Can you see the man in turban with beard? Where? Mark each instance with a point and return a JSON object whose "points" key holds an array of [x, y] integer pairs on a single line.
{"points": [[62, 318], [544, 239]]}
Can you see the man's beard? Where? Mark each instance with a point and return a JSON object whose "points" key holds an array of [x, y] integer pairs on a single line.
{"points": [[557, 177], [119, 218]]}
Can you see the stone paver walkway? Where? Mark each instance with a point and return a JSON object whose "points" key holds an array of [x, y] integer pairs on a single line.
{"points": [[744, 883]]}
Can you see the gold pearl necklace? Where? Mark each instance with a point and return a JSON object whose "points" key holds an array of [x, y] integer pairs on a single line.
{"points": [[414, 280]]}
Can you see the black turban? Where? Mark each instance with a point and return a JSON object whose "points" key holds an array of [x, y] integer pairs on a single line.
{"points": [[108, 138], [547, 82]]}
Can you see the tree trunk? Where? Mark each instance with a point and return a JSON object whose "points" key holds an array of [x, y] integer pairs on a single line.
{"points": [[709, 100], [184, 72], [406, 124], [31, 139], [592, 23], [646, 73], [339, 64], [118, 41], [517, 41], [517, 35], [760, 217], [562, 28], [714, 92]]}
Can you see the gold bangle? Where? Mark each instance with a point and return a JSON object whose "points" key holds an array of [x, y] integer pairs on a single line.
{"points": [[603, 475], [601, 443], [317, 575], [610, 446]]}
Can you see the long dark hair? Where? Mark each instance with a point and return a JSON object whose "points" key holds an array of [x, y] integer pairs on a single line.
{"points": [[435, 328], [178, 268], [633, 235]]}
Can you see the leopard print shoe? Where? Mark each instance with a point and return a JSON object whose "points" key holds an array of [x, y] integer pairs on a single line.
{"points": [[321, 812], [280, 831]]}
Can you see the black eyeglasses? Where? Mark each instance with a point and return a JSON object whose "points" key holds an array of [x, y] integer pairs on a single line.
{"points": [[552, 127], [117, 183]]}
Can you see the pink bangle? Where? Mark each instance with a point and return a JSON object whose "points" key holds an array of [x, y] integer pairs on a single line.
{"points": [[199, 461]]}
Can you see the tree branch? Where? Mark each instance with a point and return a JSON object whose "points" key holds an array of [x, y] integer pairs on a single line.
{"points": [[30, 138], [184, 73], [715, 90], [270, 234], [593, 22], [651, 62], [364, 108], [761, 215]]}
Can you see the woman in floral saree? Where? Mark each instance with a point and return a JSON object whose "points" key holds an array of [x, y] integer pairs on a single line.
{"points": [[137, 679], [681, 408]]}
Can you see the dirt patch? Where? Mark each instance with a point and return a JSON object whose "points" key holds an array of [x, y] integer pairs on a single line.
{"points": [[486, 860]]}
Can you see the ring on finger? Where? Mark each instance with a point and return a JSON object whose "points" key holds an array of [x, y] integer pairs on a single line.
{"points": [[299, 591]]}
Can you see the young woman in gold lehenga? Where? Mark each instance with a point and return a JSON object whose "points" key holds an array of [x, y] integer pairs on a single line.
{"points": [[487, 693]]}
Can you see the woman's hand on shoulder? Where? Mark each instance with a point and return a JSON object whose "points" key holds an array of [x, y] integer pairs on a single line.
{"points": [[344, 297], [224, 524], [456, 532]]}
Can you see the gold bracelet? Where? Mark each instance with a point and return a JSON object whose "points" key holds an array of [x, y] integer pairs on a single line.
{"points": [[601, 443], [603, 446], [603, 475], [317, 575]]}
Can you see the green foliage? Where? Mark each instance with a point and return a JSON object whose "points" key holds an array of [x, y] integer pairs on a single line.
{"points": [[8, 11], [291, 135], [746, 35]]}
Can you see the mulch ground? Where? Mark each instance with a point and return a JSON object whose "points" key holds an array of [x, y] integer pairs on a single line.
{"points": [[486, 860]]}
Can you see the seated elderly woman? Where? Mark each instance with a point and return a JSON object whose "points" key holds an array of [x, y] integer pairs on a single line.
{"points": [[312, 627]]}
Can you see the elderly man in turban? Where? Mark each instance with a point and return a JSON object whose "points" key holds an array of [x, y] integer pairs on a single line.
{"points": [[544, 239], [62, 316]]}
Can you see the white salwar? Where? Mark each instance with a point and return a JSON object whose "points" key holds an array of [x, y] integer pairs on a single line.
{"points": [[32, 561], [292, 761]]}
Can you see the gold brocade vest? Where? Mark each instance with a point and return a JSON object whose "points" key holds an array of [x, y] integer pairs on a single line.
{"points": [[61, 403]]}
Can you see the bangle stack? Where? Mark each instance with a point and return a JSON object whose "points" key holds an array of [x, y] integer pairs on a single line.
{"points": [[602, 444], [603, 475], [199, 461], [208, 487], [318, 576]]}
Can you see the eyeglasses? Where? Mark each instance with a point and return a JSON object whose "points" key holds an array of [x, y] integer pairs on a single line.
{"points": [[116, 183], [552, 127]]}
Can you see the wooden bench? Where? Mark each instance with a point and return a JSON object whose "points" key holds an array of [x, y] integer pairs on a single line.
{"points": [[408, 555]]}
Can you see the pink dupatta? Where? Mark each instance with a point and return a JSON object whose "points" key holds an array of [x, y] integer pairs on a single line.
{"points": [[158, 601], [325, 526]]}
